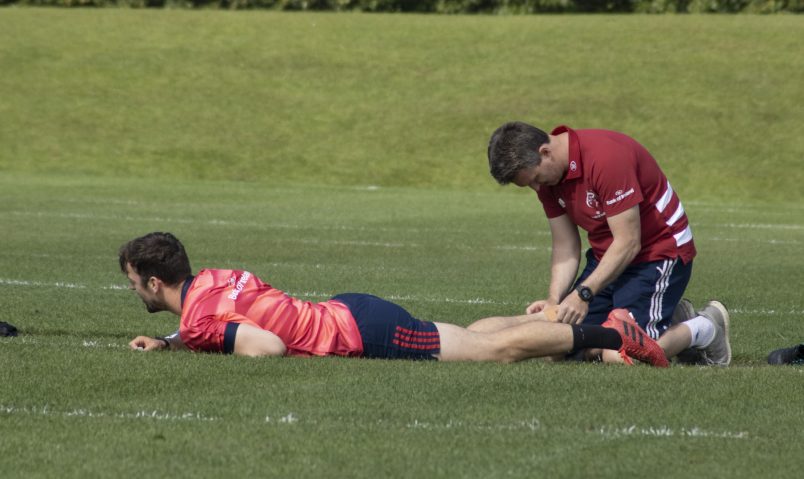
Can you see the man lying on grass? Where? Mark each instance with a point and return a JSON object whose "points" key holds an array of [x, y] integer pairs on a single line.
{"points": [[232, 311]]}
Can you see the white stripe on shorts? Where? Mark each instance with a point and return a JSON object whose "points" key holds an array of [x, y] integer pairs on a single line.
{"points": [[655, 314]]}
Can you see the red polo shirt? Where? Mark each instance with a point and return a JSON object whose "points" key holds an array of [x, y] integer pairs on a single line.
{"points": [[609, 173]]}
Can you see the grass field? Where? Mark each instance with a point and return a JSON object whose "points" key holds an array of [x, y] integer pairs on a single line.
{"points": [[395, 100], [75, 400], [333, 153]]}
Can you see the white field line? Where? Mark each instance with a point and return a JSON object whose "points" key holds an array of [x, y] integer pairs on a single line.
{"points": [[58, 284], [524, 248], [608, 432], [526, 425], [302, 294], [248, 224], [87, 413], [149, 415], [737, 207], [105, 201], [757, 226], [87, 343], [291, 418], [358, 243], [699, 238], [531, 425], [753, 240], [50, 341], [611, 432], [116, 201], [448, 300], [17, 282], [420, 299], [767, 312], [729, 207], [268, 226], [698, 205]]}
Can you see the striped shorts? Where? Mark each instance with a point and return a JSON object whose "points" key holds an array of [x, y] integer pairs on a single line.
{"points": [[389, 331], [650, 291]]}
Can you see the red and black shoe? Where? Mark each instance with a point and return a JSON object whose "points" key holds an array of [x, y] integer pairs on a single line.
{"points": [[636, 342]]}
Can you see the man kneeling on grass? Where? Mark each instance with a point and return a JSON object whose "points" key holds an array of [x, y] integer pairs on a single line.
{"points": [[232, 311]]}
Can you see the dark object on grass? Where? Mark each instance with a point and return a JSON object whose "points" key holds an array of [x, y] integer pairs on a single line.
{"points": [[792, 355], [7, 329]]}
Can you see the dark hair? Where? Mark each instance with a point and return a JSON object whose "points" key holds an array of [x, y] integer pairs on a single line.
{"points": [[513, 147], [156, 254]]}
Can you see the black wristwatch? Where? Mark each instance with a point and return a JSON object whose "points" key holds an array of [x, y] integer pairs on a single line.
{"points": [[585, 292]]}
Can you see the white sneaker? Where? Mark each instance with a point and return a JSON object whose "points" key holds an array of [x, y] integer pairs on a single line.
{"points": [[718, 353], [685, 311]]}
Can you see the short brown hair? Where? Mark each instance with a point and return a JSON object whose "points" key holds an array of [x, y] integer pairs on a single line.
{"points": [[156, 254], [513, 147]]}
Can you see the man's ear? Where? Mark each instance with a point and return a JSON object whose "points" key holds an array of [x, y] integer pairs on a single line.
{"points": [[154, 284], [545, 151]]}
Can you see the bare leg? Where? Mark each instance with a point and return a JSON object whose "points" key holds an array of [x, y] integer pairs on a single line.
{"points": [[610, 356], [496, 323], [529, 339], [674, 340]]}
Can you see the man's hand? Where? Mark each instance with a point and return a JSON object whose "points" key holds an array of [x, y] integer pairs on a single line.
{"points": [[146, 343], [572, 310], [538, 306]]}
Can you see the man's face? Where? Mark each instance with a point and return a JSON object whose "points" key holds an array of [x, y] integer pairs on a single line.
{"points": [[146, 293], [548, 172]]}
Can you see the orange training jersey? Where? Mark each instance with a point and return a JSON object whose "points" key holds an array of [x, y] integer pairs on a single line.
{"points": [[218, 296]]}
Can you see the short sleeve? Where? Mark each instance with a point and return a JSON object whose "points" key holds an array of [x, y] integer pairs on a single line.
{"points": [[615, 179], [550, 203], [207, 333]]}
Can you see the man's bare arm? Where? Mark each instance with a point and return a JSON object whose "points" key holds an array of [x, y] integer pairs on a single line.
{"points": [[147, 343], [627, 233], [253, 341], [565, 259]]}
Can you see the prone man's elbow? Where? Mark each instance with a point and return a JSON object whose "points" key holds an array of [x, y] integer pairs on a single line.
{"points": [[274, 349], [263, 350]]}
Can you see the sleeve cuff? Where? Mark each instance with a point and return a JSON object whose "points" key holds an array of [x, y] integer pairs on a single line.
{"points": [[229, 337]]}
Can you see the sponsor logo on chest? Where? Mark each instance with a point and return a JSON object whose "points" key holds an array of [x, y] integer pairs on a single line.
{"points": [[619, 196], [238, 287]]}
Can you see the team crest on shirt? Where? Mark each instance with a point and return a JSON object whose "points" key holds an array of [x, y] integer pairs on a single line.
{"points": [[232, 280], [591, 202]]}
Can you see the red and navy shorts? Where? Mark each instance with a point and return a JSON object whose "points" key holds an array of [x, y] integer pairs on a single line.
{"points": [[650, 291], [389, 331]]}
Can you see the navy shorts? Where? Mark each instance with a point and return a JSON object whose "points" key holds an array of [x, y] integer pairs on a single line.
{"points": [[650, 291], [389, 331]]}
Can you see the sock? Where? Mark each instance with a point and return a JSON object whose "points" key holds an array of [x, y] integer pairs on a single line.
{"points": [[588, 336], [702, 330]]}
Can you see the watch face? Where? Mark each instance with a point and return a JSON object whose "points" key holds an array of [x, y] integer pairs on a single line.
{"points": [[585, 293]]}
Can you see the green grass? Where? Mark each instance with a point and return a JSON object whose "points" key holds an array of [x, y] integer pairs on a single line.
{"points": [[74, 402], [256, 137], [395, 100]]}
